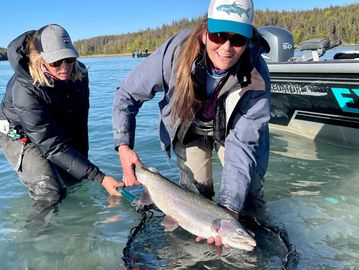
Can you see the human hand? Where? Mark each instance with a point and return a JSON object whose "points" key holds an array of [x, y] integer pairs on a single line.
{"points": [[129, 160], [213, 240], [110, 184]]}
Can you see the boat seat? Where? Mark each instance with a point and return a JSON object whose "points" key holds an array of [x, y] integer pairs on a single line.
{"points": [[314, 44], [346, 55]]}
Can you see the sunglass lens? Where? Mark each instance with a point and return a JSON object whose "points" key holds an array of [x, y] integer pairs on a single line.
{"points": [[56, 64], [221, 37], [59, 62], [70, 60], [218, 38], [238, 40]]}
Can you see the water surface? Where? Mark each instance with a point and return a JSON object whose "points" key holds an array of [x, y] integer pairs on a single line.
{"points": [[311, 190]]}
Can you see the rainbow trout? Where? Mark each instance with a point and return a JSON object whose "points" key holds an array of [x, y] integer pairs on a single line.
{"points": [[193, 212]]}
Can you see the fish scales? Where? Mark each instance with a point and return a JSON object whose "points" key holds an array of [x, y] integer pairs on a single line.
{"points": [[193, 212]]}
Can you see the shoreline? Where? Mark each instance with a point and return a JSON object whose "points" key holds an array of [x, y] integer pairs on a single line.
{"points": [[105, 55], [110, 55]]}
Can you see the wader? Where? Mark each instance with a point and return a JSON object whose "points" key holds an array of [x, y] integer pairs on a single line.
{"points": [[44, 180], [194, 160]]}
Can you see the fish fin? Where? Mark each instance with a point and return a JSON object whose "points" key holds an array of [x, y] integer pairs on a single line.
{"points": [[143, 202], [169, 223], [221, 224], [216, 224], [145, 198]]}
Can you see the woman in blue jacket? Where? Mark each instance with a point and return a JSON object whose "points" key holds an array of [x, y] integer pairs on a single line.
{"points": [[44, 116], [216, 96]]}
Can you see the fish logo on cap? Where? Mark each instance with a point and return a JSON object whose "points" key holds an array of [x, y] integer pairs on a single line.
{"points": [[234, 8]]}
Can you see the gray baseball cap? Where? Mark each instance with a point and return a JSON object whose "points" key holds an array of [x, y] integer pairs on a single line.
{"points": [[55, 43]]}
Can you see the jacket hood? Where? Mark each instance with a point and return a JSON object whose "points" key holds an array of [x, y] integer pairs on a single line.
{"points": [[17, 54], [257, 44]]}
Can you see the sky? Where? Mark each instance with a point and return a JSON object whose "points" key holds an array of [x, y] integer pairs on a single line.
{"points": [[86, 18]]}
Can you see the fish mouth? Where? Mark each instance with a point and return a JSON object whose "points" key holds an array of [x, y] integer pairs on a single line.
{"points": [[244, 244], [234, 236], [248, 244], [247, 247], [251, 242]]}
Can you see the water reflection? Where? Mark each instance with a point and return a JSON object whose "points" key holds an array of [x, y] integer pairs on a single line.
{"points": [[152, 248], [79, 234], [312, 189]]}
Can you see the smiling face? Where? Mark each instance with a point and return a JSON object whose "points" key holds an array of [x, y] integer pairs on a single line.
{"points": [[223, 56]]}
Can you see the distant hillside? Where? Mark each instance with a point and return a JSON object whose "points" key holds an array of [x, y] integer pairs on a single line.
{"points": [[148, 39], [3, 55], [335, 22]]}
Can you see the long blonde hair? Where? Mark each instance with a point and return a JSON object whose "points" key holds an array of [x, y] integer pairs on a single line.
{"points": [[185, 98], [37, 73]]}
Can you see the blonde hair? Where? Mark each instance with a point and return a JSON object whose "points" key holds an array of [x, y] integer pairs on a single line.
{"points": [[185, 97], [37, 73]]}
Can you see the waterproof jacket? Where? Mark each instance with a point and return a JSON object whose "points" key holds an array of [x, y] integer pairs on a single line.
{"points": [[241, 117], [54, 119]]}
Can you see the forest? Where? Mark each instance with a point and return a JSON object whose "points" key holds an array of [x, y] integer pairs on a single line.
{"points": [[334, 22], [3, 54]]}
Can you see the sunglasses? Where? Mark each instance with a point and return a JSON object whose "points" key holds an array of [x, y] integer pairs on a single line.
{"points": [[220, 38], [59, 62]]}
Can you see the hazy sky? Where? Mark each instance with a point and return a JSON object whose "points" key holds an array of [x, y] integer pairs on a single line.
{"points": [[84, 19]]}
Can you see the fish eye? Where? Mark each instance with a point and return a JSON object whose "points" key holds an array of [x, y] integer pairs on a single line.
{"points": [[240, 232]]}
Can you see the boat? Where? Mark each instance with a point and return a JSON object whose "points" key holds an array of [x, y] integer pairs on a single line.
{"points": [[137, 53], [311, 96]]}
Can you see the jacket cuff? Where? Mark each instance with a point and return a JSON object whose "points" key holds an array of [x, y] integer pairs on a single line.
{"points": [[97, 175], [231, 204]]}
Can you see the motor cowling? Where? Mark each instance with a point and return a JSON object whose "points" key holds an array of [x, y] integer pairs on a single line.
{"points": [[280, 41]]}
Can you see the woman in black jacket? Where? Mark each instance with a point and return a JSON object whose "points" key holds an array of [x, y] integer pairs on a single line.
{"points": [[44, 115]]}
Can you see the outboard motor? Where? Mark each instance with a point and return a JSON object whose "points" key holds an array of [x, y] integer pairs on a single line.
{"points": [[280, 41]]}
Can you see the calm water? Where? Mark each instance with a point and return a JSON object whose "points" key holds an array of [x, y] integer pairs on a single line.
{"points": [[311, 189]]}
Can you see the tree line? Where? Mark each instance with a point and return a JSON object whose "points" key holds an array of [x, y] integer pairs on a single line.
{"points": [[334, 22], [147, 39], [3, 55]]}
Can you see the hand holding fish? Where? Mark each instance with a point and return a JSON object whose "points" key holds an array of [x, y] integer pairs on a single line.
{"points": [[213, 240], [129, 160], [110, 184]]}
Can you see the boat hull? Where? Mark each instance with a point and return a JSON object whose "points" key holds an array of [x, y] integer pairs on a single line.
{"points": [[318, 100]]}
